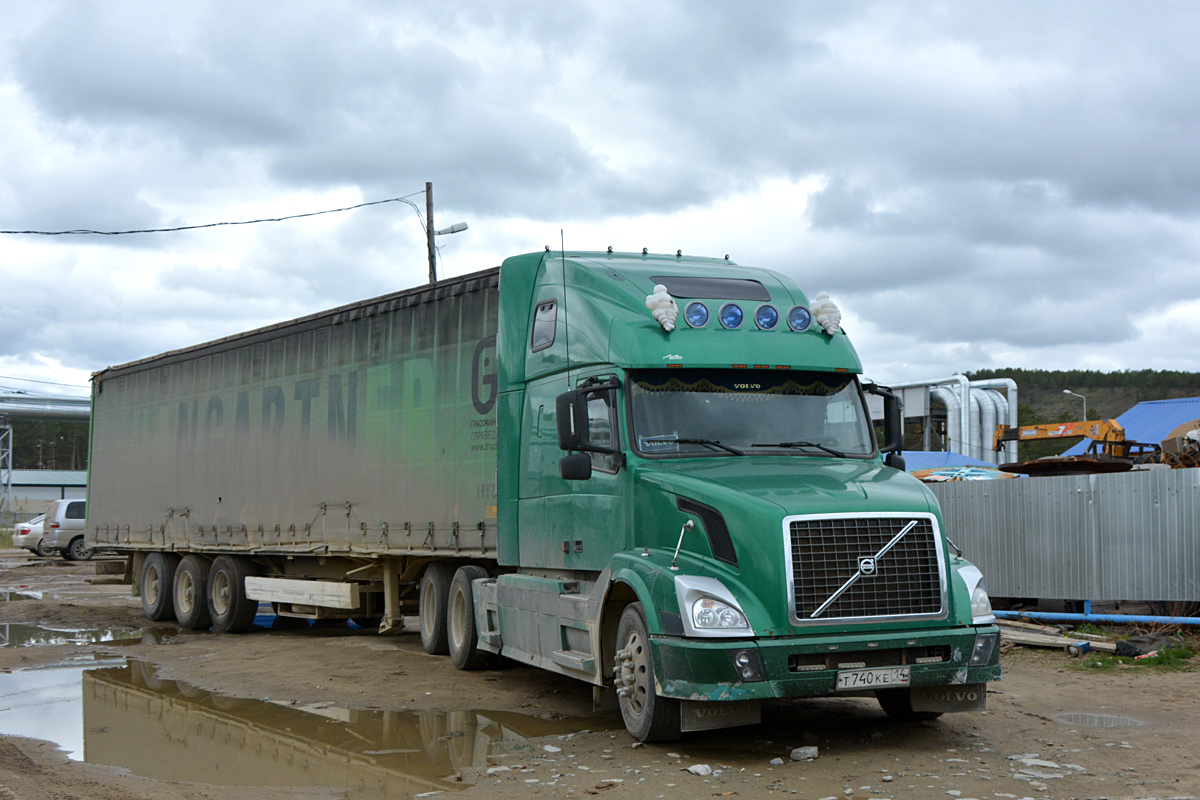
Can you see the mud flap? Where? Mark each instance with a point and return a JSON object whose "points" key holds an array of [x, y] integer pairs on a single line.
{"points": [[707, 716], [947, 699]]}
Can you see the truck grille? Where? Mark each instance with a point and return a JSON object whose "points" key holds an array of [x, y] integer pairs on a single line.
{"points": [[906, 580]]}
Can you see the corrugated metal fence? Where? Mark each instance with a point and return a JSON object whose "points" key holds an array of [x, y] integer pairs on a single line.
{"points": [[1124, 536]]}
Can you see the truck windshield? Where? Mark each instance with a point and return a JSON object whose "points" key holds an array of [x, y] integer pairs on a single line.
{"points": [[740, 412]]}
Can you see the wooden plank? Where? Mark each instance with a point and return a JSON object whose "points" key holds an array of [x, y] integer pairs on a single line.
{"points": [[326, 594]]}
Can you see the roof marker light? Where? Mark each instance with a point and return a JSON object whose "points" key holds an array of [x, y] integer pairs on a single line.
{"points": [[766, 317], [799, 319], [731, 316], [696, 314]]}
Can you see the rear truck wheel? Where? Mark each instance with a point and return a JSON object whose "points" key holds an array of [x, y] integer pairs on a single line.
{"points": [[460, 620], [158, 576], [231, 611], [191, 582], [648, 717], [42, 550], [435, 594], [897, 704], [79, 550]]}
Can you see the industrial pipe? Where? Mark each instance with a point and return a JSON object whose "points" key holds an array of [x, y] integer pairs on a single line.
{"points": [[66, 409], [1054, 616], [959, 442]]}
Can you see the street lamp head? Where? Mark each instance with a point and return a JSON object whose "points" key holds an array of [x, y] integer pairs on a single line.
{"points": [[457, 227], [1067, 391]]}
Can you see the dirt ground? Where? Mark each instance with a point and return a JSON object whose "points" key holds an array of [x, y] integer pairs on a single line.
{"points": [[328, 688]]}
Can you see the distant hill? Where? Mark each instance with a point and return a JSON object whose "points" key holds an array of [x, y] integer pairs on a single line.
{"points": [[1109, 394]]}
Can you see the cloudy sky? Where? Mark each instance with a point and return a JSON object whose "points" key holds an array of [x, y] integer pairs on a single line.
{"points": [[977, 185]]}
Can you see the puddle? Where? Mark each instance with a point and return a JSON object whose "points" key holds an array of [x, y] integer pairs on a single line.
{"points": [[170, 730], [11, 596], [1097, 720], [19, 634]]}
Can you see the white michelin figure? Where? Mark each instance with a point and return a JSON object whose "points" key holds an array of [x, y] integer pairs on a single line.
{"points": [[826, 313], [663, 307]]}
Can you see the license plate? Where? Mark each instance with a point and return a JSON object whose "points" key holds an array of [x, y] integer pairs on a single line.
{"points": [[883, 678]]}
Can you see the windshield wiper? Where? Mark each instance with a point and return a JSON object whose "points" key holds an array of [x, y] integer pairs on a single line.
{"points": [[790, 445], [709, 442]]}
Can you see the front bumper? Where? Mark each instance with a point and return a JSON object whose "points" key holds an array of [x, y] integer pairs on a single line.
{"points": [[692, 669]]}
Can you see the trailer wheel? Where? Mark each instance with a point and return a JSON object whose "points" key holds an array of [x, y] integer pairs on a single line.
{"points": [[897, 704], [435, 593], [191, 584], [460, 620], [648, 717], [158, 575], [231, 611]]}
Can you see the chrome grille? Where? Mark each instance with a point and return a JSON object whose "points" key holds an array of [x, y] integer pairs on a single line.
{"points": [[827, 554]]}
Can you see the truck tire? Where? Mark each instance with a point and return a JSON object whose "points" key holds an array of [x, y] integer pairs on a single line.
{"points": [[648, 717], [461, 634], [157, 578], [435, 594], [897, 704], [188, 593], [228, 607]]}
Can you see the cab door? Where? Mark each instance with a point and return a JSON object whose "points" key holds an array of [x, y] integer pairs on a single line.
{"points": [[586, 520]]}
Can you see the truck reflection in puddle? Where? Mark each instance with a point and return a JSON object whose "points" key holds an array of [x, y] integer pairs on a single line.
{"points": [[16, 634], [173, 731]]}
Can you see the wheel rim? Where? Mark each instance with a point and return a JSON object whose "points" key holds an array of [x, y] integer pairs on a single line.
{"points": [[427, 611], [185, 592], [220, 593], [458, 619], [634, 675], [151, 587]]}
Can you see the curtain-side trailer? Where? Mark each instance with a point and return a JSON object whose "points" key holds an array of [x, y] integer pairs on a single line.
{"points": [[655, 474]]}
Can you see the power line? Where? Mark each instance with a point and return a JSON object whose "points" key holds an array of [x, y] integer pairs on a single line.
{"points": [[49, 383], [81, 232]]}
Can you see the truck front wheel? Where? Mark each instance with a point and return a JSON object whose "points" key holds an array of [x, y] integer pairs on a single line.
{"points": [[231, 611], [649, 717], [460, 620], [158, 575], [191, 582], [435, 595]]}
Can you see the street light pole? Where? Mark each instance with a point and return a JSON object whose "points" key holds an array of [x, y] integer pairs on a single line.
{"points": [[1081, 397], [429, 231]]}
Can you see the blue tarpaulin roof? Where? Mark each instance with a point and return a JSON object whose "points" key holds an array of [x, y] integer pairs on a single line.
{"points": [[1149, 421], [920, 459]]}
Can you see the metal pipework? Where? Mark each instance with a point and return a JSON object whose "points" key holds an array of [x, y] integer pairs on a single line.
{"points": [[687, 526], [1125, 619]]}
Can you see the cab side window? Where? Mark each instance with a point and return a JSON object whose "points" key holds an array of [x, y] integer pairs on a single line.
{"points": [[602, 427], [545, 320]]}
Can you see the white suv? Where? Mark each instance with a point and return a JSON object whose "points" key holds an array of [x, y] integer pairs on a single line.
{"points": [[64, 527]]}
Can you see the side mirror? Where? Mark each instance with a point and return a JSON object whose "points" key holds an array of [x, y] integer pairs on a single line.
{"points": [[893, 420], [894, 460], [575, 467], [570, 413]]}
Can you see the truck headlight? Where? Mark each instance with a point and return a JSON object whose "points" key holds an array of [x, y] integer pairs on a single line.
{"points": [[708, 613], [709, 610], [981, 605]]}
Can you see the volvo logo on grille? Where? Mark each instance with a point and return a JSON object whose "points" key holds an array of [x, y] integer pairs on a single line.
{"points": [[866, 566]]}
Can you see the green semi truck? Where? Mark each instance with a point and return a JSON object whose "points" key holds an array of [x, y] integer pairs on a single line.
{"points": [[656, 474]]}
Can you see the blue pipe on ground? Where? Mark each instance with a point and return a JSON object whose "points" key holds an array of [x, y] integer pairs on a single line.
{"points": [[1052, 616]]}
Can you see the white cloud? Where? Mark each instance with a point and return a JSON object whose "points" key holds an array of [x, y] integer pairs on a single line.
{"points": [[978, 186]]}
